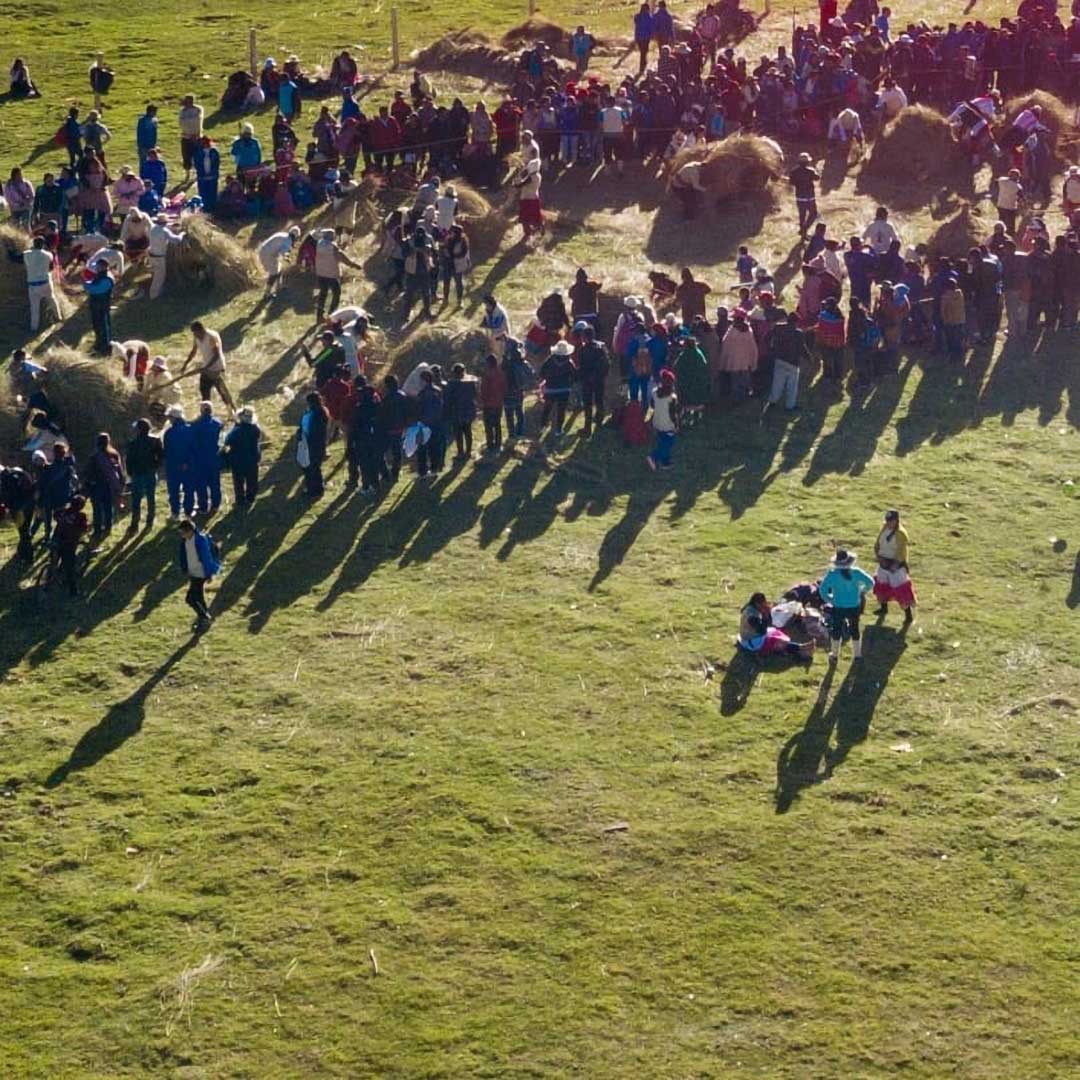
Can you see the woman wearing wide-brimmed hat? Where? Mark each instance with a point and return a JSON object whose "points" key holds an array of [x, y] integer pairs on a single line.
{"points": [[891, 579], [845, 587]]}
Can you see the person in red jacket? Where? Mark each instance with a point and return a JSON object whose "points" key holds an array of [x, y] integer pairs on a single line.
{"points": [[337, 395], [507, 119], [385, 139], [492, 399]]}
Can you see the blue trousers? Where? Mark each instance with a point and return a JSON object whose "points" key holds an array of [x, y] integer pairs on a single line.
{"points": [[174, 481], [143, 487], [206, 483], [665, 442], [208, 192], [639, 387]]}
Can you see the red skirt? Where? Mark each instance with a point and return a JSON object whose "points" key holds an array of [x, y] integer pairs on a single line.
{"points": [[531, 213]]}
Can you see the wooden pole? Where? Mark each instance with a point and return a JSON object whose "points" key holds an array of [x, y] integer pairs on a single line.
{"points": [[97, 96], [253, 54], [532, 8], [395, 48]]}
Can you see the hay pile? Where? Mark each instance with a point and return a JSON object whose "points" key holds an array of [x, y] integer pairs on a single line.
{"points": [[1056, 116], [437, 345], [486, 224], [211, 259], [14, 309], [468, 53], [917, 145], [956, 236], [537, 28], [740, 165], [90, 397]]}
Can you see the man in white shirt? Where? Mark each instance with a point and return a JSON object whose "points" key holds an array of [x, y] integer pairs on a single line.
{"points": [[272, 253], [846, 127], [161, 236], [891, 100], [613, 129], [191, 131], [38, 264], [1008, 195], [496, 324], [207, 343], [446, 209], [328, 260], [881, 233], [688, 187]]}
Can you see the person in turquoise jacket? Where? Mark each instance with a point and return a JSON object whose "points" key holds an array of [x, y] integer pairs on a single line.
{"points": [[845, 587]]}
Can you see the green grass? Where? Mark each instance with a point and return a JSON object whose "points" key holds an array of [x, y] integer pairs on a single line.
{"points": [[411, 725]]}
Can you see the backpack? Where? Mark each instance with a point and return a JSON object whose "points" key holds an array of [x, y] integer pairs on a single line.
{"points": [[632, 424]]}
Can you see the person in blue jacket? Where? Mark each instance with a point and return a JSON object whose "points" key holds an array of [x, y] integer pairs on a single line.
{"points": [[199, 564], [643, 33], [205, 460], [861, 266], [99, 290], [178, 463], [845, 587], [242, 453], [246, 150], [207, 170], [663, 25], [154, 172], [146, 132]]}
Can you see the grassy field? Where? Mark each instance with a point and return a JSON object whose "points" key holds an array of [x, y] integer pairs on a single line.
{"points": [[364, 827]]}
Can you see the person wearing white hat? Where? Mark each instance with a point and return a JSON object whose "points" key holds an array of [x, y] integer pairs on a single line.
{"points": [[845, 586], [273, 251], [158, 386], [161, 236], [178, 441], [242, 452], [530, 208], [557, 373]]}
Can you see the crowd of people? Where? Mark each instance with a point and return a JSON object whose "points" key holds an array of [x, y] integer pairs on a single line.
{"points": [[653, 370]]}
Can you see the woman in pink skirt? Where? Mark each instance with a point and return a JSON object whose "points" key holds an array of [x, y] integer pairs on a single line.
{"points": [[758, 635], [892, 581]]}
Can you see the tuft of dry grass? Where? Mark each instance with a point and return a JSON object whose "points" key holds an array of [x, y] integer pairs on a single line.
{"points": [[177, 1000]]}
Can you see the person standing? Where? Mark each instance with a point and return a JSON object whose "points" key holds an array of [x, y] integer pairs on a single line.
{"points": [[191, 132], [881, 234], [105, 480], [146, 132], [665, 421], [429, 407], [804, 178], [557, 373], [492, 398], [496, 324], [845, 587], [178, 468], [643, 34], [421, 270], [99, 289], [71, 527], [459, 404], [739, 354], [242, 454], [1008, 198], [787, 344], [273, 251], [161, 236], [207, 170], [892, 580], [594, 363], [393, 417], [364, 447], [144, 456], [58, 484], [38, 264], [207, 343], [328, 259], [530, 207], [199, 564], [311, 444], [19, 194], [206, 460]]}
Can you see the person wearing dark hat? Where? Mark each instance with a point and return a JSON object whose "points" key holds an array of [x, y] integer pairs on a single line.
{"points": [[593, 363], [199, 563], [786, 344], [71, 527], [419, 263], [144, 456], [860, 265], [845, 587], [459, 407], [803, 179], [892, 580], [365, 446]]}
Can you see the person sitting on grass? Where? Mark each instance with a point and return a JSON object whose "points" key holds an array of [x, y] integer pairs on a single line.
{"points": [[758, 635]]}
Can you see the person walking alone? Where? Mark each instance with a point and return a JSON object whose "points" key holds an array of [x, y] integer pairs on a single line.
{"points": [[199, 564]]}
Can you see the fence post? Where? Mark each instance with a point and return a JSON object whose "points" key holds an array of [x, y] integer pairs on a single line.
{"points": [[97, 96], [253, 55], [532, 8], [395, 50]]}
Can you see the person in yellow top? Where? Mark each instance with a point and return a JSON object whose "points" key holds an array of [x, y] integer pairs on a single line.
{"points": [[892, 580]]}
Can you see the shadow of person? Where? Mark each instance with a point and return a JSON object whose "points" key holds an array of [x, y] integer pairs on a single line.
{"points": [[802, 758], [120, 723], [739, 678], [807, 758]]}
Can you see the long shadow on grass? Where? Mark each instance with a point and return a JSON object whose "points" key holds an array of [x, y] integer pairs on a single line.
{"points": [[120, 723], [810, 756]]}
